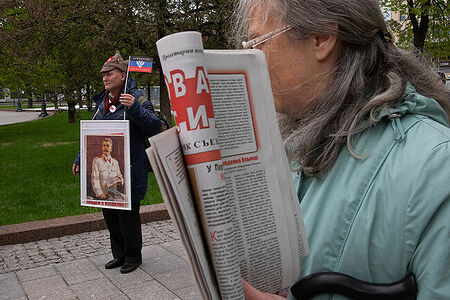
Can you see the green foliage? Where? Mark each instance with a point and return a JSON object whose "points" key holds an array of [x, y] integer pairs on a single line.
{"points": [[59, 46], [426, 26], [37, 181]]}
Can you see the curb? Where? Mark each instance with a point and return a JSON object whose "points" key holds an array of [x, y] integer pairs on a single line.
{"points": [[58, 227]]}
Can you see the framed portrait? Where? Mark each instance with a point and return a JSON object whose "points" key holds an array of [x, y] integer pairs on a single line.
{"points": [[105, 164]]}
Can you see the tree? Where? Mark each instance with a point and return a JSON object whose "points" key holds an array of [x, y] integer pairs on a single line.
{"points": [[60, 45], [426, 27]]}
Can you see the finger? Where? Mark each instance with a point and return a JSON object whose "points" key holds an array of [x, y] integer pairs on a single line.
{"points": [[251, 293], [127, 97], [127, 104], [75, 169]]}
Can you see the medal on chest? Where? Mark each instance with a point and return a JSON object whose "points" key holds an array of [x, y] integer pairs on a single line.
{"points": [[112, 108]]}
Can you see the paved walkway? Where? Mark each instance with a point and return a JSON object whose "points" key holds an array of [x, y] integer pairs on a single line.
{"points": [[11, 117], [72, 267]]}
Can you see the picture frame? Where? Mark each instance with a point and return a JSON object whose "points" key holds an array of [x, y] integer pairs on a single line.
{"points": [[105, 164]]}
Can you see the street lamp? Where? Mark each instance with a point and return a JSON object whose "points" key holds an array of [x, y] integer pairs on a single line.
{"points": [[43, 108], [19, 107]]}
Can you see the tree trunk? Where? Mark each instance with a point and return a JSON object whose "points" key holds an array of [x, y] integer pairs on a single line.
{"points": [[420, 29], [30, 99], [164, 102], [71, 116], [80, 98], [55, 100]]}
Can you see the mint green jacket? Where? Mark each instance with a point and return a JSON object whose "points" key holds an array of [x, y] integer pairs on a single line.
{"points": [[380, 218]]}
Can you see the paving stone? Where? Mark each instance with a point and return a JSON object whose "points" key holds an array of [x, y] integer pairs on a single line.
{"points": [[48, 288], [177, 248], [153, 251], [104, 251], [67, 258], [46, 267], [30, 245], [97, 289], [68, 248], [37, 273], [163, 264], [189, 293], [158, 234], [101, 260], [151, 290], [18, 246], [78, 271], [13, 268], [177, 279], [10, 259], [124, 281], [153, 241], [10, 287], [38, 258], [78, 254]]}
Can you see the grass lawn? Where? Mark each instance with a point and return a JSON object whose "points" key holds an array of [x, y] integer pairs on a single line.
{"points": [[35, 168]]}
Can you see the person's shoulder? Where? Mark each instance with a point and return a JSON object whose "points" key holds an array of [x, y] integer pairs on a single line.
{"points": [[139, 96], [424, 117], [426, 134], [97, 158], [99, 97]]}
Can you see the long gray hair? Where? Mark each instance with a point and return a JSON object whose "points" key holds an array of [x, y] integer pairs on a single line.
{"points": [[369, 75]]}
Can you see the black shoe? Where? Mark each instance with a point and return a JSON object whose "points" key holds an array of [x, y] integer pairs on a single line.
{"points": [[117, 262], [130, 267]]}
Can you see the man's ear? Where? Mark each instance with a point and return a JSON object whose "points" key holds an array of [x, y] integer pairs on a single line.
{"points": [[324, 45]]}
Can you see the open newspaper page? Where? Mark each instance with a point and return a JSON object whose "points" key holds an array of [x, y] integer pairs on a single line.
{"points": [[183, 63], [168, 165], [271, 238], [236, 164]]}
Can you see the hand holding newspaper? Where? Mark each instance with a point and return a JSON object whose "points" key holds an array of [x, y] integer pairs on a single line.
{"points": [[223, 171]]}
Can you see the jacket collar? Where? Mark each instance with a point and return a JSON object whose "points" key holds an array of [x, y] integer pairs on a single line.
{"points": [[416, 103]]}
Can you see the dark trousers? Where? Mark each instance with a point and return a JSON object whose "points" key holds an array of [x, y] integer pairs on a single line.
{"points": [[125, 232]]}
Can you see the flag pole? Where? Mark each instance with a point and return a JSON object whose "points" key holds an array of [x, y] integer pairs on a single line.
{"points": [[126, 80]]}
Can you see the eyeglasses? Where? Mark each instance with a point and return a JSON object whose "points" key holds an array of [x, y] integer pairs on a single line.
{"points": [[265, 37]]}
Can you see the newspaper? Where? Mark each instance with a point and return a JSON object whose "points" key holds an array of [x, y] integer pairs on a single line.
{"points": [[223, 171]]}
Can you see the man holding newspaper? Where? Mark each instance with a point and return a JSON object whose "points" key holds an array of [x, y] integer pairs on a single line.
{"points": [[366, 129], [121, 100]]}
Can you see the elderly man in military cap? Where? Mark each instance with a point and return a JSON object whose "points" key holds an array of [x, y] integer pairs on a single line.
{"points": [[113, 104]]}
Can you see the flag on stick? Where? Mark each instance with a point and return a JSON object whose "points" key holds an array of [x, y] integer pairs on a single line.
{"points": [[140, 64]]}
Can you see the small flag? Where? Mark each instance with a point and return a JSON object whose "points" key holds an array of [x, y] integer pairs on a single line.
{"points": [[140, 64]]}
